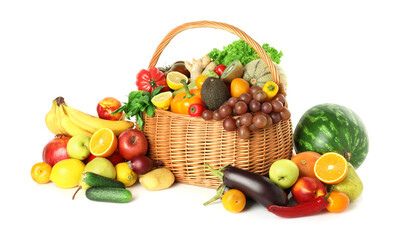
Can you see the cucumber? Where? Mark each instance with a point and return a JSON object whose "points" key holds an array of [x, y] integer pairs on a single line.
{"points": [[108, 194], [96, 180]]}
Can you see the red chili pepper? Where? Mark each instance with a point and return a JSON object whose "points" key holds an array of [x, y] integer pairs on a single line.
{"points": [[196, 109], [219, 69], [301, 210]]}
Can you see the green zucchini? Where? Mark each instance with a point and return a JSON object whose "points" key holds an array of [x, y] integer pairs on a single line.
{"points": [[96, 180], [109, 194]]}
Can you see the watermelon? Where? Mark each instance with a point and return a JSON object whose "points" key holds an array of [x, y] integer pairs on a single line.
{"points": [[332, 128]]}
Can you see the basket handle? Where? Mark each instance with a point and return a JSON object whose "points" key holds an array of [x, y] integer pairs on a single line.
{"points": [[223, 26]]}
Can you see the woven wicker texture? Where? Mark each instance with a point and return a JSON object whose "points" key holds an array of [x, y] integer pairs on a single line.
{"points": [[184, 144]]}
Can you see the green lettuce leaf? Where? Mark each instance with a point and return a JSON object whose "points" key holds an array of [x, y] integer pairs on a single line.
{"points": [[240, 50]]}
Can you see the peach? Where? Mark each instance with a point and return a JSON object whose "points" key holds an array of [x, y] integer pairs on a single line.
{"points": [[108, 105], [307, 189]]}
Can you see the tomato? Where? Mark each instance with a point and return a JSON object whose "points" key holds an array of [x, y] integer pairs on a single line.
{"points": [[149, 79], [337, 202], [40, 172], [234, 201]]}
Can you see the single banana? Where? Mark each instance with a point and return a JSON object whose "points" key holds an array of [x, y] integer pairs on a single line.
{"points": [[67, 124], [92, 124], [50, 119], [59, 114]]}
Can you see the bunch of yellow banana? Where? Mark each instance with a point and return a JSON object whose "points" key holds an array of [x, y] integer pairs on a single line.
{"points": [[63, 119]]}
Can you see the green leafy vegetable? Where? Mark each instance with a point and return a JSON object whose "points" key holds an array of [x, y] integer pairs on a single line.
{"points": [[138, 103], [240, 50]]}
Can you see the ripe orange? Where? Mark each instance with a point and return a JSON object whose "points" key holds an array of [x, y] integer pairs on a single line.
{"points": [[337, 202], [239, 86], [305, 162], [41, 172], [331, 168], [103, 143]]}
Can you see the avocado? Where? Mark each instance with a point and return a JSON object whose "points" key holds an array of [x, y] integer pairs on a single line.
{"points": [[214, 93]]}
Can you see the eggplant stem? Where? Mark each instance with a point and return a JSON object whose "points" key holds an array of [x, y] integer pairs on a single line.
{"points": [[219, 194], [218, 173]]}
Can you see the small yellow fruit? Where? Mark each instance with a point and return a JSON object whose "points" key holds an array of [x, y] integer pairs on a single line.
{"points": [[41, 172], [125, 174], [174, 80], [67, 173], [162, 100]]}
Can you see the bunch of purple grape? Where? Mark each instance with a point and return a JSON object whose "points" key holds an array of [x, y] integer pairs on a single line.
{"points": [[250, 112]]}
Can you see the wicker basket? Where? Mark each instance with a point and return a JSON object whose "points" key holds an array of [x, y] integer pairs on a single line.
{"points": [[184, 144]]}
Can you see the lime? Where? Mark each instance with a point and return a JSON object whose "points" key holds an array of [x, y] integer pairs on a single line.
{"points": [[174, 80], [67, 173], [125, 174], [162, 100]]}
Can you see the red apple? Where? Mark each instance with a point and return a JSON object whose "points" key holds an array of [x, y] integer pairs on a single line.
{"points": [[132, 143], [307, 189], [90, 158], [55, 150], [108, 105]]}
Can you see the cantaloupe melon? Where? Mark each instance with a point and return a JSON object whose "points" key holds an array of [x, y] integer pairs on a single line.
{"points": [[256, 72]]}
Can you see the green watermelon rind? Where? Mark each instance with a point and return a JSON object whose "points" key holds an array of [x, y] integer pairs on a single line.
{"points": [[332, 128]]}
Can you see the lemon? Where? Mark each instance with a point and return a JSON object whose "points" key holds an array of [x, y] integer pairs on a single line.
{"points": [[162, 100], [67, 173], [125, 174], [174, 80]]}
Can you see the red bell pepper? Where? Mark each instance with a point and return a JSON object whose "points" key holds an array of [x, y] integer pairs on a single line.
{"points": [[148, 80], [196, 109], [219, 69]]}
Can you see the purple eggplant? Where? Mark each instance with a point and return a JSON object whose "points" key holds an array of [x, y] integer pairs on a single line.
{"points": [[257, 187]]}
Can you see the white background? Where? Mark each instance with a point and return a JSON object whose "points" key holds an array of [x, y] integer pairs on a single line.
{"points": [[340, 52]]}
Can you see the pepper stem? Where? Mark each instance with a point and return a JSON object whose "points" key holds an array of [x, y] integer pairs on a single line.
{"points": [[219, 194], [187, 91]]}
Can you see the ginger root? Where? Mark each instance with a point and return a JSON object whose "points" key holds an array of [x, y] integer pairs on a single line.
{"points": [[198, 66]]}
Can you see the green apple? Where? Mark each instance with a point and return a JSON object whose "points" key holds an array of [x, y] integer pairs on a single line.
{"points": [[351, 185], [284, 173], [101, 166], [78, 147]]}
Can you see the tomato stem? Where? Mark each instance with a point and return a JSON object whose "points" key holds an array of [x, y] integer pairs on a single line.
{"points": [[152, 82]]}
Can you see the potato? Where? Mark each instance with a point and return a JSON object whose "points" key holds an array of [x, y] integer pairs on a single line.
{"points": [[157, 179]]}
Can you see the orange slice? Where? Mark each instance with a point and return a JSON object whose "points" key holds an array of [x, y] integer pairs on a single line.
{"points": [[103, 143], [331, 168]]}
